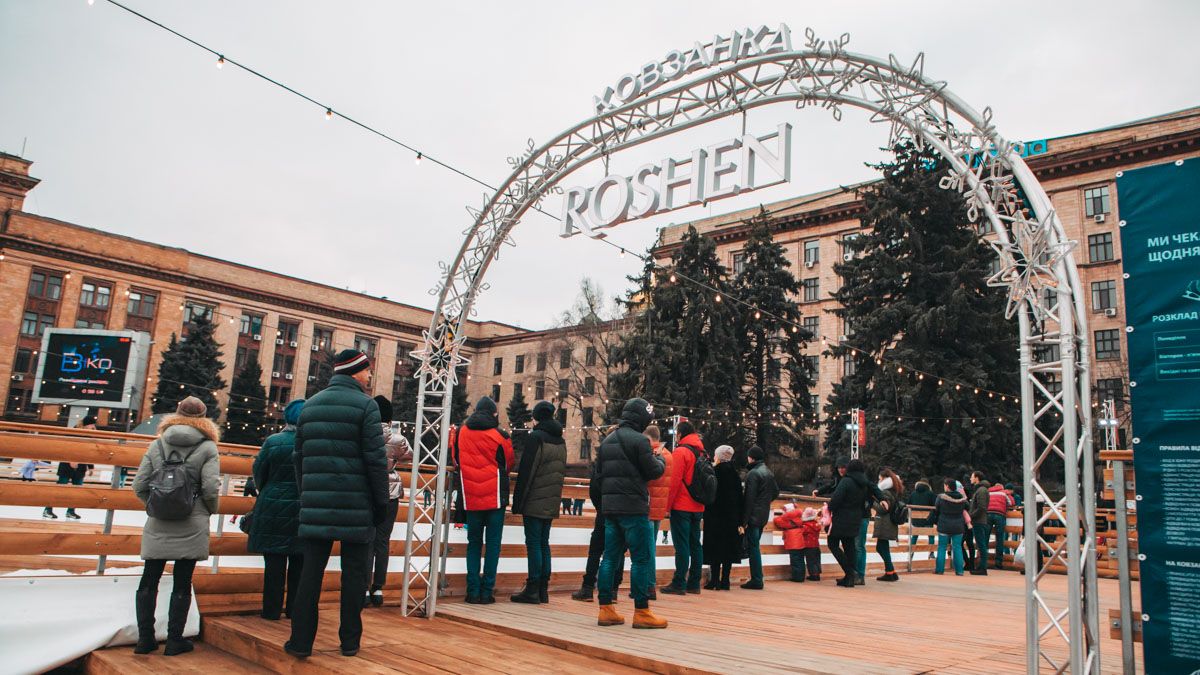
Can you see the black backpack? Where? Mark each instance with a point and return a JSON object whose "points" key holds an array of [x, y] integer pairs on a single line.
{"points": [[173, 490], [899, 512], [703, 487]]}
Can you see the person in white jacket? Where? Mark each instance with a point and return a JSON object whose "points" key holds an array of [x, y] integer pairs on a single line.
{"points": [[398, 451]]}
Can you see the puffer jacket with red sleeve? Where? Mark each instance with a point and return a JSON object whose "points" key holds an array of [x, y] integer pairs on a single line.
{"points": [[793, 532], [999, 499], [483, 455], [660, 488]]}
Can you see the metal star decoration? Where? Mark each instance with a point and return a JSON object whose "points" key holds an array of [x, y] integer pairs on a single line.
{"points": [[1028, 262]]}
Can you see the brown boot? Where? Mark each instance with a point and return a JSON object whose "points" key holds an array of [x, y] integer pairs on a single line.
{"points": [[644, 618], [609, 616]]}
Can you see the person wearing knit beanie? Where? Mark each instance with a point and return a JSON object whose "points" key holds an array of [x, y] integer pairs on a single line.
{"points": [[191, 407], [350, 361], [544, 410]]}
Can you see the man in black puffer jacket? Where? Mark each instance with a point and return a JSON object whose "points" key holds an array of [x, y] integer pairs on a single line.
{"points": [[624, 465], [341, 468], [761, 490]]}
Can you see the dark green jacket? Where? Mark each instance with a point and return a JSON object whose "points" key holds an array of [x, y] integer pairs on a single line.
{"points": [[540, 476], [341, 464], [277, 509]]}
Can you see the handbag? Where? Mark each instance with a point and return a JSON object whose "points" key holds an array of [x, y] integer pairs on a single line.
{"points": [[245, 521]]}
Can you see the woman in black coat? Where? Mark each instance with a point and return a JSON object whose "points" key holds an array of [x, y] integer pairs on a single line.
{"points": [[847, 508], [722, 543]]}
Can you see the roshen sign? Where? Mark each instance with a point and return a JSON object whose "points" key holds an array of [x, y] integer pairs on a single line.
{"points": [[721, 170], [679, 62]]}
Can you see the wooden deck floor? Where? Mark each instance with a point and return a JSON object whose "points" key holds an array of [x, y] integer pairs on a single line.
{"points": [[923, 624]]}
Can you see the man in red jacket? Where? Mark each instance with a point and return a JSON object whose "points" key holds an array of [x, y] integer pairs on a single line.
{"points": [[482, 456], [686, 514]]}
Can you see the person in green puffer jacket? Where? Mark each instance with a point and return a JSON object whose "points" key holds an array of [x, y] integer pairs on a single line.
{"points": [[277, 516], [341, 469], [537, 496]]}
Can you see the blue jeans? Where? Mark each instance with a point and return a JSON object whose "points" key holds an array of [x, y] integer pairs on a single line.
{"points": [[753, 539], [632, 533], [483, 528], [997, 522], [980, 532], [689, 557], [954, 541], [860, 549], [537, 547], [912, 540]]}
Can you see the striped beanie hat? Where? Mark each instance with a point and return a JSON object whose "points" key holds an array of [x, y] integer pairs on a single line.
{"points": [[350, 361]]}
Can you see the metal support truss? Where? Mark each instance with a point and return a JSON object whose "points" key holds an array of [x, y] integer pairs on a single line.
{"points": [[1036, 267]]}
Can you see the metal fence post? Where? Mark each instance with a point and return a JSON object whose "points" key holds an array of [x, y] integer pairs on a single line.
{"points": [[216, 561], [115, 483], [1119, 500]]}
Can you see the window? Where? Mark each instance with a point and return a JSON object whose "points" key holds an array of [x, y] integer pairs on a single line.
{"points": [[812, 324], [564, 388], [34, 324], [541, 362], [848, 246], [1100, 247], [585, 448], [397, 386], [849, 366], [496, 393], [561, 415], [93, 294], [516, 389], [1095, 201], [283, 363], [1047, 353], [498, 365], [19, 402], [519, 364], [812, 252], [365, 345], [45, 285], [774, 369], [589, 386], [24, 361], [84, 323], [1053, 383], [142, 304], [564, 359], [590, 357], [280, 395], [117, 417], [195, 310], [994, 263], [585, 416], [1113, 388], [739, 263], [289, 332], [1104, 295], [813, 365], [814, 402], [323, 338], [251, 325], [244, 355], [812, 289], [539, 390], [1108, 344]]}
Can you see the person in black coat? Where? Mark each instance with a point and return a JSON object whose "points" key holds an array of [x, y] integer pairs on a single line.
{"points": [[761, 490], [847, 507], [722, 542]]}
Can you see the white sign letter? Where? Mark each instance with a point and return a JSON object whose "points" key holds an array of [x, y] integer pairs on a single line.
{"points": [[694, 179], [780, 162], [573, 218]]}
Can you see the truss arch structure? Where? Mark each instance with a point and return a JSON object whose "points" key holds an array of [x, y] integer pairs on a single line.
{"points": [[1037, 268]]}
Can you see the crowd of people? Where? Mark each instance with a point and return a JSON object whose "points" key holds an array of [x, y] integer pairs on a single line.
{"points": [[332, 475]]}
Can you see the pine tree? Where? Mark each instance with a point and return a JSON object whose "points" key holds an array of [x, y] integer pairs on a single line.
{"points": [[324, 370], [683, 350], [246, 418], [518, 411], [191, 367], [777, 377], [917, 298]]}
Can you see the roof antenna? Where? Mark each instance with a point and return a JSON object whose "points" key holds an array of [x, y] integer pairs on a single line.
{"points": [[23, 142]]}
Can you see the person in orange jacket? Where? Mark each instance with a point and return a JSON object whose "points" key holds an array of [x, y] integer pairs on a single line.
{"points": [[483, 456], [686, 514], [660, 493]]}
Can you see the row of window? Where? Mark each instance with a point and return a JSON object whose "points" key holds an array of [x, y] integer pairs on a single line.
{"points": [[591, 358]]}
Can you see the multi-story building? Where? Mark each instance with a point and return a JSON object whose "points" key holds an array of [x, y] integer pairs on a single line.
{"points": [[54, 273]]}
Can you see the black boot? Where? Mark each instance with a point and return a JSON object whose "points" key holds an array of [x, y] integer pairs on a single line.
{"points": [[714, 579], [176, 618], [584, 594], [528, 594], [144, 603], [544, 591]]}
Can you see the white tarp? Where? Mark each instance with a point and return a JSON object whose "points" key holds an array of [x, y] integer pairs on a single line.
{"points": [[51, 620]]}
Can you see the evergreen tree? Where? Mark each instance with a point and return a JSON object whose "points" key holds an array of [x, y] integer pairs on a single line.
{"points": [[190, 367], [518, 411], [777, 377], [918, 296], [324, 370], [246, 418], [683, 349]]}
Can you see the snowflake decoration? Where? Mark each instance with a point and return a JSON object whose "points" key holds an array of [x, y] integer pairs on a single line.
{"points": [[1028, 262]]}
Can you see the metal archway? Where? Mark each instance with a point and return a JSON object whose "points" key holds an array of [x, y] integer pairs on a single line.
{"points": [[1044, 292]]}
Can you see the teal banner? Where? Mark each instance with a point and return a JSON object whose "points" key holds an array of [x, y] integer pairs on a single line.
{"points": [[1160, 247]]}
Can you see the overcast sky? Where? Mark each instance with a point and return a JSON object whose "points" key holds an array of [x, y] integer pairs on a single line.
{"points": [[134, 131]]}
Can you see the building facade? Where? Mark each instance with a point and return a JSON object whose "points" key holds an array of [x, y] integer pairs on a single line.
{"points": [[58, 274]]}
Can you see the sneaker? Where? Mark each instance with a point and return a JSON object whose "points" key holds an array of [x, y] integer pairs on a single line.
{"points": [[49, 514], [890, 576], [72, 515]]}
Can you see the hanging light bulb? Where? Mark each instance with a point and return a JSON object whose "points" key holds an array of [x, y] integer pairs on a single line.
{"points": [[417, 159], [220, 61], [795, 329], [757, 314], [718, 297], [622, 254], [940, 382], [329, 113], [672, 277]]}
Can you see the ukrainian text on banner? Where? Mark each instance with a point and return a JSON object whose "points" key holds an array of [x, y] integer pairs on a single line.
{"points": [[1160, 247]]}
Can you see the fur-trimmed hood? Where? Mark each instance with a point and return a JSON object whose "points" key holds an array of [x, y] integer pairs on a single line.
{"points": [[202, 424]]}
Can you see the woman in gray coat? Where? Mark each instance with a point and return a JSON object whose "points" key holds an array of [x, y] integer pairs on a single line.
{"points": [[887, 531], [191, 437]]}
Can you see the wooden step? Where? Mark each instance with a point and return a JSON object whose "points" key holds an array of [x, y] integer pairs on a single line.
{"points": [[205, 659]]}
